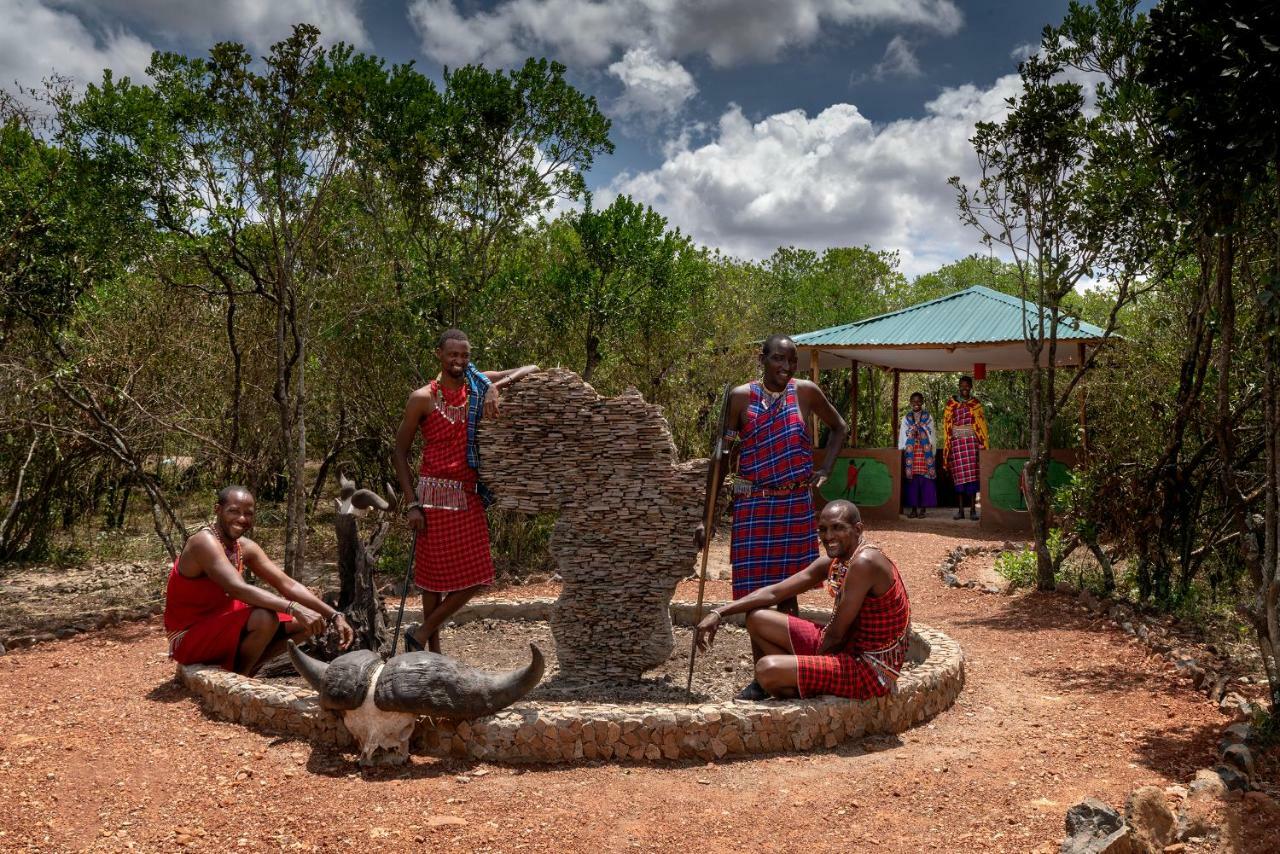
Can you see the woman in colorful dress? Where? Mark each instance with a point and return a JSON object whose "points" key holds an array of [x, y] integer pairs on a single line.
{"points": [[859, 653], [915, 440], [964, 433]]}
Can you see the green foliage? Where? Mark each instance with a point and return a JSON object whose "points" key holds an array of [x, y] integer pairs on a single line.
{"points": [[1020, 567]]}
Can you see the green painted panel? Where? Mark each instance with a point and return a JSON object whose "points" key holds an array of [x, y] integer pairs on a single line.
{"points": [[1004, 490], [874, 482]]}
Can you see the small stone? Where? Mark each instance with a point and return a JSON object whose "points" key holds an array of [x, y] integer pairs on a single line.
{"points": [[1239, 756], [1149, 816], [1093, 817], [445, 821]]}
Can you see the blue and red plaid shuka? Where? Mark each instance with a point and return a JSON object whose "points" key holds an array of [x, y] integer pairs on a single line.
{"points": [[774, 534]]}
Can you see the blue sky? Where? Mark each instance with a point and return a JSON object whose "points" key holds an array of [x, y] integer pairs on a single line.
{"points": [[749, 123]]}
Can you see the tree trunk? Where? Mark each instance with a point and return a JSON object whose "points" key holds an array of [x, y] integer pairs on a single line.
{"points": [[237, 392]]}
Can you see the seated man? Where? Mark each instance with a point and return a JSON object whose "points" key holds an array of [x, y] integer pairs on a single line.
{"points": [[213, 616], [859, 653]]}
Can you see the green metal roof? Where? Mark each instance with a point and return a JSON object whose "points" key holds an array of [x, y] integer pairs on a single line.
{"points": [[972, 317]]}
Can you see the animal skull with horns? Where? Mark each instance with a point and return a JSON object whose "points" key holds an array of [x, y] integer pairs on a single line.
{"points": [[380, 701]]}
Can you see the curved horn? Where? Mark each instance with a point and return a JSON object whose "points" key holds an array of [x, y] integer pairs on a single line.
{"points": [[308, 668], [425, 683], [363, 499]]}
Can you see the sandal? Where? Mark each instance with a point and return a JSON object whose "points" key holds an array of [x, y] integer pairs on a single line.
{"points": [[412, 644], [752, 692]]}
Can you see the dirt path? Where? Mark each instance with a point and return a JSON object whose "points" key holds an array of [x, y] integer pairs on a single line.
{"points": [[100, 750]]}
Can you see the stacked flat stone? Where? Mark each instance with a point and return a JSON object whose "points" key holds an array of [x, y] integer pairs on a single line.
{"points": [[567, 732], [627, 509]]}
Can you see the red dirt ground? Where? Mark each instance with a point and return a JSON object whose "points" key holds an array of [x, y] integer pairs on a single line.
{"points": [[100, 750]]}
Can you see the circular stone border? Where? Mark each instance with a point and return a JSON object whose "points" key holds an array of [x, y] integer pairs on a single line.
{"points": [[567, 731]]}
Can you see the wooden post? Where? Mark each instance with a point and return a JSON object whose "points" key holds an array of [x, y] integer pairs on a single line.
{"points": [[853, 405], [893, 425], [813, 375], [1084, 424]]}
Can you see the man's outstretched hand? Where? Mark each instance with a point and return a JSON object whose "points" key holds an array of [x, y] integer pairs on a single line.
{"points": [[345, 634], [705, 633], [491, 402]]}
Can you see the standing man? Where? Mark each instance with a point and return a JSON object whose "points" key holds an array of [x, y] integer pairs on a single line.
{"points": [[213, 616], [451, 560], [964, 433], [768, 444]]}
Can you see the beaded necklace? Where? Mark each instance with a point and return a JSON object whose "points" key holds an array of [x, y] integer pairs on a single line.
{"points": [[234, 554], [839, 569], [452, 414]]}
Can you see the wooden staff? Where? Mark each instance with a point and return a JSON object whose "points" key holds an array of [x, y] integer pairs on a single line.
{"points": [[709, 521]]}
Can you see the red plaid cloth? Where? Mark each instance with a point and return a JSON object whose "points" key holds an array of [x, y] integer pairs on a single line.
{"points": [[774, 535], [962, 451], [881, 621], [453, 553], [204, 624]]}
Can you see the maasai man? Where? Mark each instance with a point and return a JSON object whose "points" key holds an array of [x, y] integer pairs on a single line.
{"points": [[964, 433], [451, 560], [915, 440], [859, 653], [767, 430], [213, 616]]}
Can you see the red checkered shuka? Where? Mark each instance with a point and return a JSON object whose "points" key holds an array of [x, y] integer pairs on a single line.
{"points": [[774, 535], [453, 553], [880, 623], [962, 451]]}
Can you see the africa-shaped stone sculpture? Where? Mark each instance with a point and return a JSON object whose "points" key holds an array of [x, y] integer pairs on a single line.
{"points": [[627, 510]]}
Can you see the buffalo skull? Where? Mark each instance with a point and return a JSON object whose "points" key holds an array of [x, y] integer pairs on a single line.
{"points": [[381, 701]]}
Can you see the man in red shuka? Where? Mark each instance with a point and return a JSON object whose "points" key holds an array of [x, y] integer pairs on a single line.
{"points": [[451, 559], [859, 653], [213, 616]]}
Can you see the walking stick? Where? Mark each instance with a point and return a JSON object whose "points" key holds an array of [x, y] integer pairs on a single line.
{"points": [[404, 591], [708, 523]]}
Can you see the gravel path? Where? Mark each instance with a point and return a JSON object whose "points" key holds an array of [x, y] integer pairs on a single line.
{"points": [[101, 751]]}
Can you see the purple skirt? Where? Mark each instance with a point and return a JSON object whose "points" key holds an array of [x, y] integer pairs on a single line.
{"points": [[921, 492]]}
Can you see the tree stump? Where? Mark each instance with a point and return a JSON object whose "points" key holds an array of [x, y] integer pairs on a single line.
{"points": [[358, 598]]}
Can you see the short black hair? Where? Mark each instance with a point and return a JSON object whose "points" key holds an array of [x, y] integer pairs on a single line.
{"points": [[964, 379], [848, 509], [916, 394], [451, 335], [224, 494], [773, 341]]}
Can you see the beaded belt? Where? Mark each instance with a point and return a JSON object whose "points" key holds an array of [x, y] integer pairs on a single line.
{"points": [[964, 431], [444, 494], [742, 486]]}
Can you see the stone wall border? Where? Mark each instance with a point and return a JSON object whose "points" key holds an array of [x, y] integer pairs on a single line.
{"points": [[571, 732], [955, 557]]}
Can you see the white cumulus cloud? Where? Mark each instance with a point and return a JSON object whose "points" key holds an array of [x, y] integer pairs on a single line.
{"points": [[833, 179], [256, 23], [37, 40], [593, 32], [899, 60], [654, 88]]}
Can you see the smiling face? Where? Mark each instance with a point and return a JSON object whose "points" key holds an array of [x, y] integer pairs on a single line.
{"points": [[234, 515], [454, 356], [917, 402], [779, 364], [966, 388], [839, 529]]}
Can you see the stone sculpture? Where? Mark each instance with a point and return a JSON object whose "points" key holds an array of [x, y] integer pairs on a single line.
{"points": [[627, 510]]}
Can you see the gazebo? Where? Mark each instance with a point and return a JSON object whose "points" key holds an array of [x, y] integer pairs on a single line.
{"points": [[973, 330]]}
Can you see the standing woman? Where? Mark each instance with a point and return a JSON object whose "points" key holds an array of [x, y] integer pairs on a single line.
{"points": [[915, 440], [964, 434]]}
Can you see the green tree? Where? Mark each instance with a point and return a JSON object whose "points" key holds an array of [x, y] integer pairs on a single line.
{"points": [[618, 269]]}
